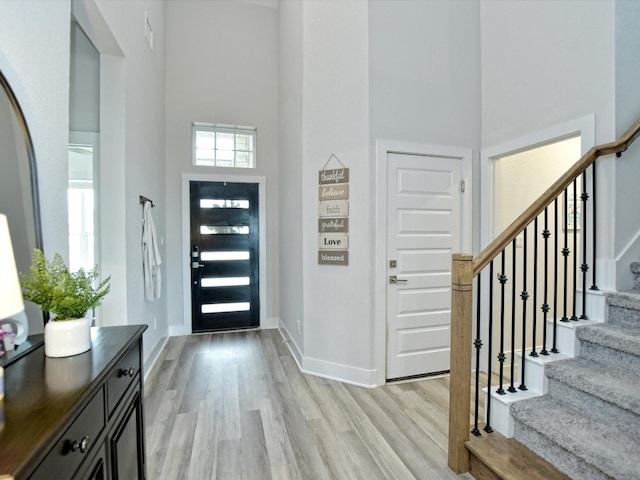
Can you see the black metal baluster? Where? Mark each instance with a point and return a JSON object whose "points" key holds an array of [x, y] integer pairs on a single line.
{"points": [[583, 234], [524, 296], [487, 427], [545, 290], [513, 316], [534, 353], [554, 349], [478, 345], [565, 254], [574, 317], [501, 356], [594, 285]]}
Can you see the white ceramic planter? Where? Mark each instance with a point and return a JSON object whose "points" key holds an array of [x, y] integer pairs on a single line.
{"points": [[65, 338]]}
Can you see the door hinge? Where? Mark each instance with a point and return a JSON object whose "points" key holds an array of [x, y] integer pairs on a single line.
{"points": [[462, 186]]}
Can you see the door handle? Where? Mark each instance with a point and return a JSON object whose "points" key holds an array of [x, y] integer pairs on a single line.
{"points": [[393, 279], [197, 265]]}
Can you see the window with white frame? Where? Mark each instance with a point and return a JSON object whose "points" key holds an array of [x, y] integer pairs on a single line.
{"points": [[224, 146]]}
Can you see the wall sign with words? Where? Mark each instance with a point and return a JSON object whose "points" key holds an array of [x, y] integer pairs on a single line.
{"points": [[333, 215], [327, 224], [333, 208]]}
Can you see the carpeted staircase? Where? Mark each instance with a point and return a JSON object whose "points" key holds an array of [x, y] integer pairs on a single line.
{"points": [[588, 424]]}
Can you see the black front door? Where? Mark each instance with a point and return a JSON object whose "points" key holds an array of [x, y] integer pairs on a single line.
{"points": [[224, 256]]}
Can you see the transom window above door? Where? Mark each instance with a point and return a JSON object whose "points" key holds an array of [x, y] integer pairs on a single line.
{"points": [[223, 145]]}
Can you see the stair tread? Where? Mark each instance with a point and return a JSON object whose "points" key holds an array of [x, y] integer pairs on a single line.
{"points": [[509, 458], [616, 337], [629, 299], [618, 386], [613, 447]]}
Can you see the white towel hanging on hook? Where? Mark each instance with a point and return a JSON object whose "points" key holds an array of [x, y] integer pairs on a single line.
{"points": [[151, 259]]}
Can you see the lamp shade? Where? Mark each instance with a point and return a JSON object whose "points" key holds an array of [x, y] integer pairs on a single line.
{"points": [[10, 293]]}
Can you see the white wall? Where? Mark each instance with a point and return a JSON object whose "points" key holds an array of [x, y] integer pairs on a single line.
{"points": [[425, 71], [538, 64], [291, 171], [141, 71], [627, 18], [546, 63], [222, 67], [338, 326]]}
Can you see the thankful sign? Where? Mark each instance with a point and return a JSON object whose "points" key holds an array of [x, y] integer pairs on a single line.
{"points": [[333, 213], [337, 175]]}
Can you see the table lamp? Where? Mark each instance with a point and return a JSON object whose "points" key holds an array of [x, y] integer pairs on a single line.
{"points": [[10, 293]]}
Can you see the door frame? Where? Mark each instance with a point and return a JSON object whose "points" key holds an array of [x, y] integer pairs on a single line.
{"points": [[383, 148], [187, 328], [583, 126]]}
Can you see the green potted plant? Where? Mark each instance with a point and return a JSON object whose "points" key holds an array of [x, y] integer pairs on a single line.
{"points": [[68, 296]]}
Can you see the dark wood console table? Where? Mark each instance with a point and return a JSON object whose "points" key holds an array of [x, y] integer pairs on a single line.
{"points": [[77, 417]]}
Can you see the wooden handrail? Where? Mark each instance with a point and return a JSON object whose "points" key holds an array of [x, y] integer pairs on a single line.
{"points": [[536, 208], [465, 268]]}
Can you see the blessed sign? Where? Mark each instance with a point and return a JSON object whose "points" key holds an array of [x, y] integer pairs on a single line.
{"points": [[333, 258]]}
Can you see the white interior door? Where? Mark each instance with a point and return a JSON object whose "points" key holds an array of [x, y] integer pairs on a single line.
{"points": [[424, 228]]}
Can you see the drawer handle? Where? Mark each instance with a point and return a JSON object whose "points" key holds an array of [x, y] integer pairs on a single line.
{"points": [[82, 445], [127, 373]]}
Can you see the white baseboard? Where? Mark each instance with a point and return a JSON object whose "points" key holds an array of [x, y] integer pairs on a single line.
{"points": [[323, 368], [151, 361], [336, 371], [269, 323], [179, 330], [296, 352]]}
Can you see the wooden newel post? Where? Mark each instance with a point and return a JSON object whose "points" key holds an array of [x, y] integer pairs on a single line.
{"points": [[460, 380]]}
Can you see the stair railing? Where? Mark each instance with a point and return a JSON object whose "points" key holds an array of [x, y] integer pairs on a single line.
{"points": [[554, 225]]}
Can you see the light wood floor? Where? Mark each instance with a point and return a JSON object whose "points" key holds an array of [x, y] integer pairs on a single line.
{"points": [[235, 406]]}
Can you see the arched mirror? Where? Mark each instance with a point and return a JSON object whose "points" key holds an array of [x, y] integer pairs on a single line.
{"points": [[19, 202]]}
